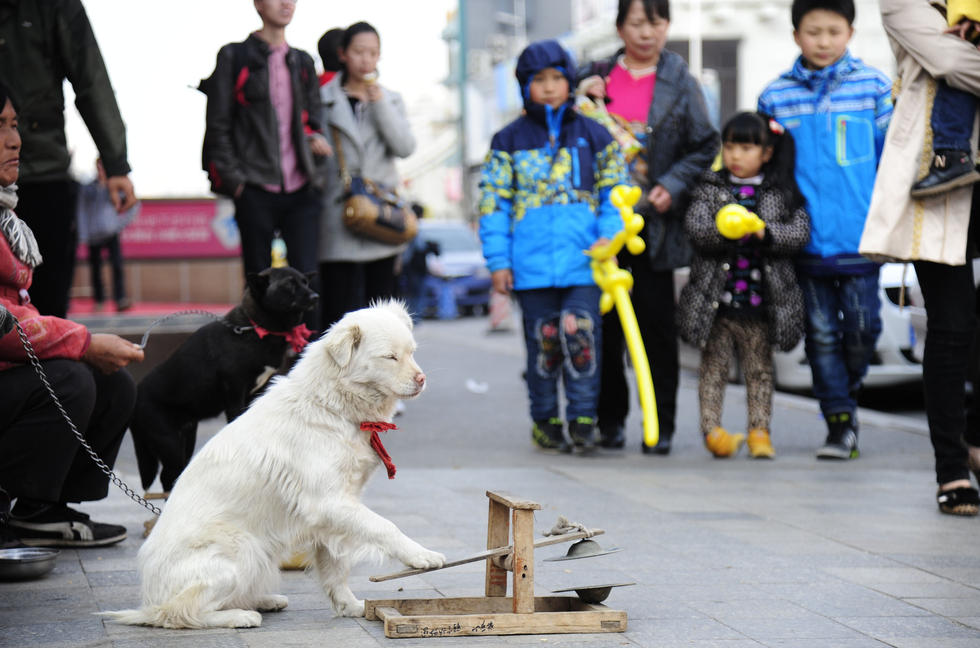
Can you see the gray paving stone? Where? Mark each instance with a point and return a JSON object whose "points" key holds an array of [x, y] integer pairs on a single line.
{"points": [[74, 632], [949, 607], [226, 640], [898, 629]]}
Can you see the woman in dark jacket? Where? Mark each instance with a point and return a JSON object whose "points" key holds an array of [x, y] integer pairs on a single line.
{"points": [[652, 88]]}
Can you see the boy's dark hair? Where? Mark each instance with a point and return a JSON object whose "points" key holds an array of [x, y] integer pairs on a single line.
{"points": [[760, 128], [327, 46], [802, 7], [5, 96], [354, 30], [652, 8]]}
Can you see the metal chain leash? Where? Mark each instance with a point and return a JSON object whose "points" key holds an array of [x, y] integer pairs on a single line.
{"points": [[36, 363], [191, 311]]}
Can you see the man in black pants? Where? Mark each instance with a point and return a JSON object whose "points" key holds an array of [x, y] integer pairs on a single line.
{"points": [[42, 44]]}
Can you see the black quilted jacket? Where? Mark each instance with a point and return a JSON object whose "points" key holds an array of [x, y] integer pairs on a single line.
{"points": [[787, 231]]}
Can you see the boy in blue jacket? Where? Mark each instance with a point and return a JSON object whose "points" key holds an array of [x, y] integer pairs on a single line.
{"points": [[545, 191], [837, 109]]}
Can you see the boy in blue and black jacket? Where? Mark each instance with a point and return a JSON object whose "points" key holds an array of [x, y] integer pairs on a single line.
{"points": [[837, 109], [545, 199]]}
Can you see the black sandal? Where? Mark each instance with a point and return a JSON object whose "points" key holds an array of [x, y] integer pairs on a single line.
{"points": [[959, 501]]}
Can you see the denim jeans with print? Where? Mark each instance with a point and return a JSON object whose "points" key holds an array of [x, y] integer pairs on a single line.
{"points": [[843, 321], [563, 334]]}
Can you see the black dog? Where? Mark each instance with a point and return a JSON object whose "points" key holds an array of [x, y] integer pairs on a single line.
{"points": [[217, 369]]}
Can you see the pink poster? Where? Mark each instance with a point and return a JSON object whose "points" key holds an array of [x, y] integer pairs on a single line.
{"points": [[181, 228]]}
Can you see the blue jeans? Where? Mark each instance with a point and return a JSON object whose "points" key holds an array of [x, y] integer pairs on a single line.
{"points": [[952, 118], [553, 352], [843, 320]]}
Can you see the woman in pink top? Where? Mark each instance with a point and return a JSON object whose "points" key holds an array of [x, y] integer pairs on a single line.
{"points": [[651, 88]]}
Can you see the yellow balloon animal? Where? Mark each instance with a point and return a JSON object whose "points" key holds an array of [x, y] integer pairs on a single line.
{"points": [[735, 221], [616, 284]]}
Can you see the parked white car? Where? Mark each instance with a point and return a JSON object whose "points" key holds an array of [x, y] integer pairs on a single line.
{"points": [[894, 361]]}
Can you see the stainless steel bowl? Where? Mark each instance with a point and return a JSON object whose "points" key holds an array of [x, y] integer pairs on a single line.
{"points": [[25, 563]]}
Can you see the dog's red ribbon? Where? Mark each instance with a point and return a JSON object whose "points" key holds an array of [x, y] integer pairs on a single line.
{"points": [[380, 426], [298, 336]]}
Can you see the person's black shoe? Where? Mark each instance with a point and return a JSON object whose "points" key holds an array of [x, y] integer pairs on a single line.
{"points": [[582, 432], [950, 169], [547, 435], [661, 448], [60, 526], [611, 436], [842, 438]]}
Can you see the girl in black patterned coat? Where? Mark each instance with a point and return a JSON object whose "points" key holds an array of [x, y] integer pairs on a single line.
{"points": [[742, 292]]}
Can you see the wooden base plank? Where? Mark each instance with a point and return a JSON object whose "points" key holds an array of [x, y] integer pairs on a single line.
{"points": [[457, 617]]}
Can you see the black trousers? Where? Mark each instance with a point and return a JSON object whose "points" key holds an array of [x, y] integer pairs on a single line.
{"points": [[115, 262], [653, 302], [950, 300], [350, 285], [296, 216], [49, 209], [40, 458]]}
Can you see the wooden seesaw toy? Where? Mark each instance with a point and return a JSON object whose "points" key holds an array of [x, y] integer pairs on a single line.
{"points": [[495, 613]]}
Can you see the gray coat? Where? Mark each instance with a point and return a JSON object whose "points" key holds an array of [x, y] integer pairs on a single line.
{"points": [[787, 231], [370, 147], [682, 144]]}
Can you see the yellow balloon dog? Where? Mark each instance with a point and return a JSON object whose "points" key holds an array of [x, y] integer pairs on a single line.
{"points": [[616, 284], [735, 221]]}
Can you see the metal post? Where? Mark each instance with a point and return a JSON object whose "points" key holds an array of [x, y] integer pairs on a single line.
{"points": [[463, 160], [695, 59]]}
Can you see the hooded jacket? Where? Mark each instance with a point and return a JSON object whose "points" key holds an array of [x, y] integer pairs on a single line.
{"points": [[545, 185], [838, 117]]}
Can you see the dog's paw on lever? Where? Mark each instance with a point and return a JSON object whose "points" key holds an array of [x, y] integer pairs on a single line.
{"points": [[422, 558]]}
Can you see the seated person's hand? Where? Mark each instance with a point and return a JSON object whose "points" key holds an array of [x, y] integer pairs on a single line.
{"points": [[109, 353], [503, 281]]}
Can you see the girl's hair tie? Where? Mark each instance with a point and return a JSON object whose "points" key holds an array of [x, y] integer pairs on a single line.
{"points": [[776, 127]]}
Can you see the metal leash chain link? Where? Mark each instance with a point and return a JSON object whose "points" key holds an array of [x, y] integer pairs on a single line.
{"points": [[191, 311], [36, 363]]}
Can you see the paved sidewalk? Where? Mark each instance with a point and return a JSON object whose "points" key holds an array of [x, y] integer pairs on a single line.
{"points": [[791, 553]]}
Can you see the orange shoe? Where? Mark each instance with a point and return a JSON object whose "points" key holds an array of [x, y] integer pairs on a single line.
{"points": [[760, 447], [723, 444]]}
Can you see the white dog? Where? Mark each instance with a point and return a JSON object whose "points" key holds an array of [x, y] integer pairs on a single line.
{"points": [[287, 473]]}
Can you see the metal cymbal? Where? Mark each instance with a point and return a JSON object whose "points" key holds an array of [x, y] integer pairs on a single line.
{"points": [[584, 549], [593, 593]]}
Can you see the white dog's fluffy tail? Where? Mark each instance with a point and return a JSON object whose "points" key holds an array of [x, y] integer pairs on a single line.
{"points": [[141, 616], [184, 611]]}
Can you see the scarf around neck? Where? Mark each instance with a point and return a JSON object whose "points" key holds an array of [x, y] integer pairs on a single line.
{"points": [[19, 236]]}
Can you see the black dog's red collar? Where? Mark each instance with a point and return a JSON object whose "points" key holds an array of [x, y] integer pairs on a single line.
{"points": [[298, 336]]}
